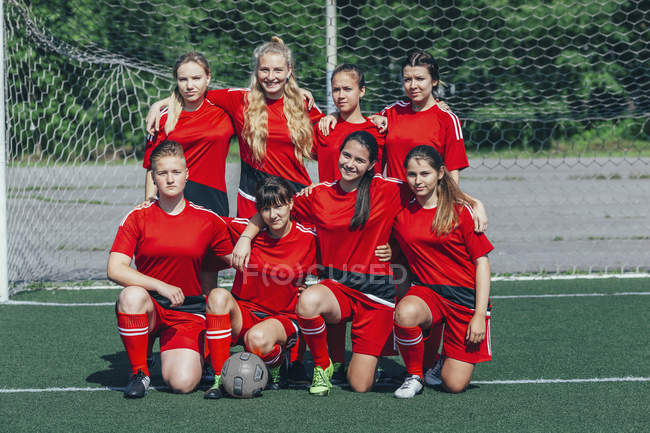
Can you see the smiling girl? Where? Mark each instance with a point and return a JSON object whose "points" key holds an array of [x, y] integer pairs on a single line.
{"points": [[352, 217], [452, 276], [273, 124]]}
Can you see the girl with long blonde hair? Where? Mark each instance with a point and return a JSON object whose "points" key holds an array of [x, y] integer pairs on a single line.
{"points": [[272, 121]]}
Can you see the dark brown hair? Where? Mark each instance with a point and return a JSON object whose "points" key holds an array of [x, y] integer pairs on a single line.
{"points": [[362, 205], [449, 193]]}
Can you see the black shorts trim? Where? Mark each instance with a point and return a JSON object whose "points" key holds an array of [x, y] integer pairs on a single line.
{"points": [[381, 286], [208, 197], [463, 296], [191, 304], [250, 177]]}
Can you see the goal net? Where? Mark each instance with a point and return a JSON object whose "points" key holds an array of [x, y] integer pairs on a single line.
{"points": [[554, 99]]}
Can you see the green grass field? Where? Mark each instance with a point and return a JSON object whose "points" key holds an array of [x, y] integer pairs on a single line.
{"points": [[59, 364]]}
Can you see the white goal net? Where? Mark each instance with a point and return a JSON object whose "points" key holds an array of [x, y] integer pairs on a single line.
{"points": [[554, 99]]}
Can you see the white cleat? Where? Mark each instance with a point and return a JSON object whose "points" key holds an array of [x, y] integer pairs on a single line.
{"points": [[411, 387], [432, 376]]}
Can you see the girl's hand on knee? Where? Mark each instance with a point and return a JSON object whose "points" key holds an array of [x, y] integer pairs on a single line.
{"points": [[476, 329]]}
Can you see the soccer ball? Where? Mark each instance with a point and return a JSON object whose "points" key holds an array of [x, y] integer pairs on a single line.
{"points": [[244, 375]]}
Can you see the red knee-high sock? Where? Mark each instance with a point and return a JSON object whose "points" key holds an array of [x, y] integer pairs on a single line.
{"points": [[274, 357], [218, 336], [431, 346], [409, 341], [134, 330], [298, 350], [336, 341], [315, 333]]}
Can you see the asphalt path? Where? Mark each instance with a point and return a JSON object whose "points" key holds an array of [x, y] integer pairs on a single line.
{"points": [[545, 215]]}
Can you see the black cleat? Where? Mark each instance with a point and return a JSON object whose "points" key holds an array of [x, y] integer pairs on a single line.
{"points": [[297, 374], [214, 393], [277, 378], [339, 377], [138, 385]]}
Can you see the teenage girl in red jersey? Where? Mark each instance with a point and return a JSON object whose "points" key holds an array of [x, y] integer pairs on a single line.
{"points": [[421, 120], [203, 129], [449, 259], [272, 122], [348, 87], [162, 296], [260, 312], [351, 216]]}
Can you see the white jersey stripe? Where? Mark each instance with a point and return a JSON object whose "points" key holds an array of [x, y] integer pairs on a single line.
{"points": [[197, 207], [144, 206], [246, 196], [456, 122]]}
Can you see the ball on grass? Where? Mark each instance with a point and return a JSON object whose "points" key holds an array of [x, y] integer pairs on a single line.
{"points": [[244, 375]]}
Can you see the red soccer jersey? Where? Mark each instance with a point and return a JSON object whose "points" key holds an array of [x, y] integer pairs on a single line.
{"points": [[276, 268], [347, 254], [171, 248], [440, 260], [205, 137], [280, 159], [326, 148], [434, 127]]}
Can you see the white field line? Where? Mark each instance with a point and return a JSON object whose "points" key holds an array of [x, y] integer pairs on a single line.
{"points": [[475, 382], [511, 278], [557, 295], [571, 277], [568, 295]]}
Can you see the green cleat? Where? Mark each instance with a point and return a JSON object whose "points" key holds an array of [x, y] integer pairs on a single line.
{"points": [[214, 393], [320, 384], [277, 379]]}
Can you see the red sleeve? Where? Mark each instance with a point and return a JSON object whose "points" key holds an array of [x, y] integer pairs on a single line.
{"points": [[314, 114], [301, 211], [319, 139], [477, 244], [455, 156], [153, 140], [230, 100], [237, 227], [128, 235], [381, 157], [221, 243]]}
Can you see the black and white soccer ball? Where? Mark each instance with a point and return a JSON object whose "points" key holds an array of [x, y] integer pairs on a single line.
{"points": [[244, 375]]}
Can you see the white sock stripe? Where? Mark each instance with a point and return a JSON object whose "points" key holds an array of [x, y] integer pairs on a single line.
{"points": [[312, 331], [218, 337], [411, 342], [146, 328], [134, 334], [219, 331], [274, 360]]}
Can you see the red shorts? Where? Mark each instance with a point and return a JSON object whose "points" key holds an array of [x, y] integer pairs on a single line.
{"points": [[456, 318], [178, 329], [372, 322], [250, 319]]}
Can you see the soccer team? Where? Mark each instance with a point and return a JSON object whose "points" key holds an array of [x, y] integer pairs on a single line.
{"points": [[347, 230]]}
